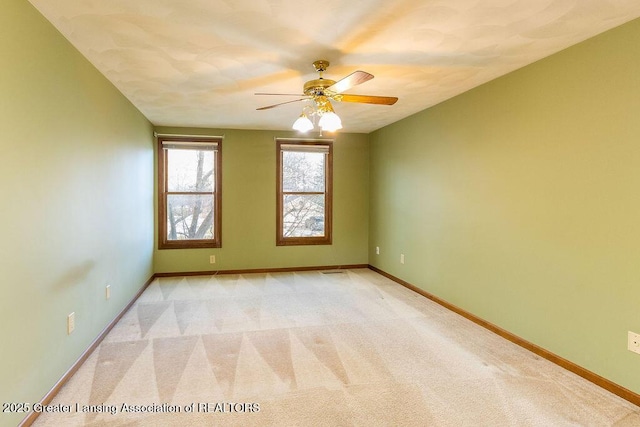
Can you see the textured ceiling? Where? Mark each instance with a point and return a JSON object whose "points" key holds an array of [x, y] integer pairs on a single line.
{"points": [[199, 62]]}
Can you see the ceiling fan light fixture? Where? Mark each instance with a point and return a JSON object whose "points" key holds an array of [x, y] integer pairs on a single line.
{"points": [[302, 124]]}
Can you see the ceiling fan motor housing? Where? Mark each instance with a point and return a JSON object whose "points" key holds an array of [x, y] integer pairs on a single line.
{"points": [[317, 87]]}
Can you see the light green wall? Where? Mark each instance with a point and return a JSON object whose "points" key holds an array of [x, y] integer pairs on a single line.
{"points": [[76, 181], [519, 202], [249, 207]]}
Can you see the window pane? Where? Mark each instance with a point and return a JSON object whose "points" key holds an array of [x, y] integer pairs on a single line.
{"points": [[302, 171], [189, 217], [190, 170], [303, 216]]}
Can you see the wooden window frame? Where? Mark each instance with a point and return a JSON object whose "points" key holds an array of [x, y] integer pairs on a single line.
{"points": [[163, 241], [327, 239]]}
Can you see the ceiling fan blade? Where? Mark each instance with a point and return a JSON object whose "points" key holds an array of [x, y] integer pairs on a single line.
{"points": [[282, 103], [353, 79], [366, 99], [279, 94]]}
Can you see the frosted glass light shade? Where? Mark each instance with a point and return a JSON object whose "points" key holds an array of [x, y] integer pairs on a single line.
{"points": [[302, 124], [330, 122]]}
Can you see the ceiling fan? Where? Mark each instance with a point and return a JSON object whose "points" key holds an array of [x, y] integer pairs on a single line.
{"points": [[322, 91]]}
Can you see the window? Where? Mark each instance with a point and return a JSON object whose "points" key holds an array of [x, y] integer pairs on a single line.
{"points": [[189, 192], [304, 195]]}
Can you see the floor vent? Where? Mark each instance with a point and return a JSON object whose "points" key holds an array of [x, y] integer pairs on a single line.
{"points": [[333, 272]]}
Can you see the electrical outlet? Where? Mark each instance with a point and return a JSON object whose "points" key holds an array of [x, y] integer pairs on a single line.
{"points": [[401, 258], [107, 292], [212, 259], [377, 250], [634, 342], [71, 322]]}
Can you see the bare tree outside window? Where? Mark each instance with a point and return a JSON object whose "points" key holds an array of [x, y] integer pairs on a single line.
{"points": [[190, 216], [304, 196], [190, 194]]}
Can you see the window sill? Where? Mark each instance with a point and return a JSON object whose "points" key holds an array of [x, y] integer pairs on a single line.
{"points": [[191, 244], [302, 241]]}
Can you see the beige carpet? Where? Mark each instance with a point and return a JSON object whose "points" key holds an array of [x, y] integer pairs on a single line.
{"points": [[313, 349]]}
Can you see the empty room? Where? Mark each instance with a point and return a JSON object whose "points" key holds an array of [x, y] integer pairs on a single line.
{"points": [[269, 212]]}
